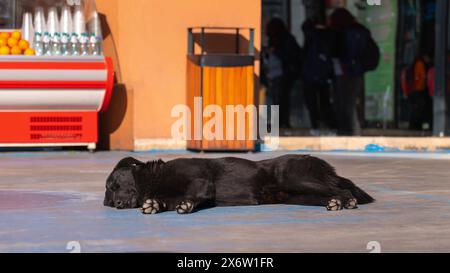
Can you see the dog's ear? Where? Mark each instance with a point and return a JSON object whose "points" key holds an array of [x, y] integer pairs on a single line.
{"points": [[128, 162], [161, 161]]}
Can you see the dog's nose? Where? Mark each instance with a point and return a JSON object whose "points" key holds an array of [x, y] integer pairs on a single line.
{"points": [[118, 204]]}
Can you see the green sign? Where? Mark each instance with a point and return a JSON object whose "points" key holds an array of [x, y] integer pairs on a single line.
{"points": [[380, 84]]}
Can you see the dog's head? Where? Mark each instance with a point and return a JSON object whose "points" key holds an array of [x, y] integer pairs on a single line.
{"points": [[122, 190]]}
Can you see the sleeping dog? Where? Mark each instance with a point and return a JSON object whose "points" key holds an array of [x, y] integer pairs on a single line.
{"points": [[188, 185]]}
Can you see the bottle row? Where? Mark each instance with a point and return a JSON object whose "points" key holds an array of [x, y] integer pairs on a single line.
{"points": [[67, 45]]}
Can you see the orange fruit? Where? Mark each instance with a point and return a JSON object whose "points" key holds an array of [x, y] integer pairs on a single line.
{"points": [[30, 52], [15, 50], [23, 44], [5, 35], [17, 35], [3, 42], [4, 50], [12, 42]]}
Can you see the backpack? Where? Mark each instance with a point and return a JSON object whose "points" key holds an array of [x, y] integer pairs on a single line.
{"points": [[318, 65], [293, 58], [372, 55], [411, 79], [363, 53]]}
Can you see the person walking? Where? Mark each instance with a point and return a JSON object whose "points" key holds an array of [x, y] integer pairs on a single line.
{"points": [[283, 60], [355, 53], [318, 74], [416, 88]]}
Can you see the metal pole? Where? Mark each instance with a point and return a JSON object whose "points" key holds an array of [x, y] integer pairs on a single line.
{"points": [[441, 126], [190, 42], [202, 41], [251, 49], [238, 42]]}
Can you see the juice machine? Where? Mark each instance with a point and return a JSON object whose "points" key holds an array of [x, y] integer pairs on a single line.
{"points": [[54, 79]]}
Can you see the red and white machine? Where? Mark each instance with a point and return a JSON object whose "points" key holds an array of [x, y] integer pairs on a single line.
{"points": [[50, 101], [53, 101]]}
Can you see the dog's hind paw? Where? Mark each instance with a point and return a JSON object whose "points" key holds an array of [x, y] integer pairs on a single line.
{"points": [[351, 204], [334, 205], [152, 206], [185, 207]]}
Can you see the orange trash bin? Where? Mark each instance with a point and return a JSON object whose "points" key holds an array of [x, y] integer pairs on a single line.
{"points": [[221, 79]]}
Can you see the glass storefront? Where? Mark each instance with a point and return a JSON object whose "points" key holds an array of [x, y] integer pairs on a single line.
{"points": [[405, 31]]}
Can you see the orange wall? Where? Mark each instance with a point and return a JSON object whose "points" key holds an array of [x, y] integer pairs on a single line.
{"points": [[150, 37]]}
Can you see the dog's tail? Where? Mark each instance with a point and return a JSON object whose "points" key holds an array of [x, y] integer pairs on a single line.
{"points": [[362, 196]]}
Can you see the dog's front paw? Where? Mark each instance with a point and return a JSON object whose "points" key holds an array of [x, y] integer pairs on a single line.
{"points": [[152, 206], [351, 204], [334, 205], [185, 207]]}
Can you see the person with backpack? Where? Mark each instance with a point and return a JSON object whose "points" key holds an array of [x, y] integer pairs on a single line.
{"points": [[415, 84], [318, 73], [284, 58], [354, 53]]}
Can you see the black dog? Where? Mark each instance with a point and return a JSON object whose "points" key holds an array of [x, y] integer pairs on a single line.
{"points": [[187, 185]]}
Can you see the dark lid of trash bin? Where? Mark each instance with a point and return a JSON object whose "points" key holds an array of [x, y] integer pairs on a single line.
{"points": [[222, 60]]}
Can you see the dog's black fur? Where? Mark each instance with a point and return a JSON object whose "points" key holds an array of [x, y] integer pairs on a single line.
{"points": [[187, 185]]}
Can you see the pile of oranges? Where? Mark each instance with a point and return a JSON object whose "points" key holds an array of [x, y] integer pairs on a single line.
{"points": [[13, 44]]}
